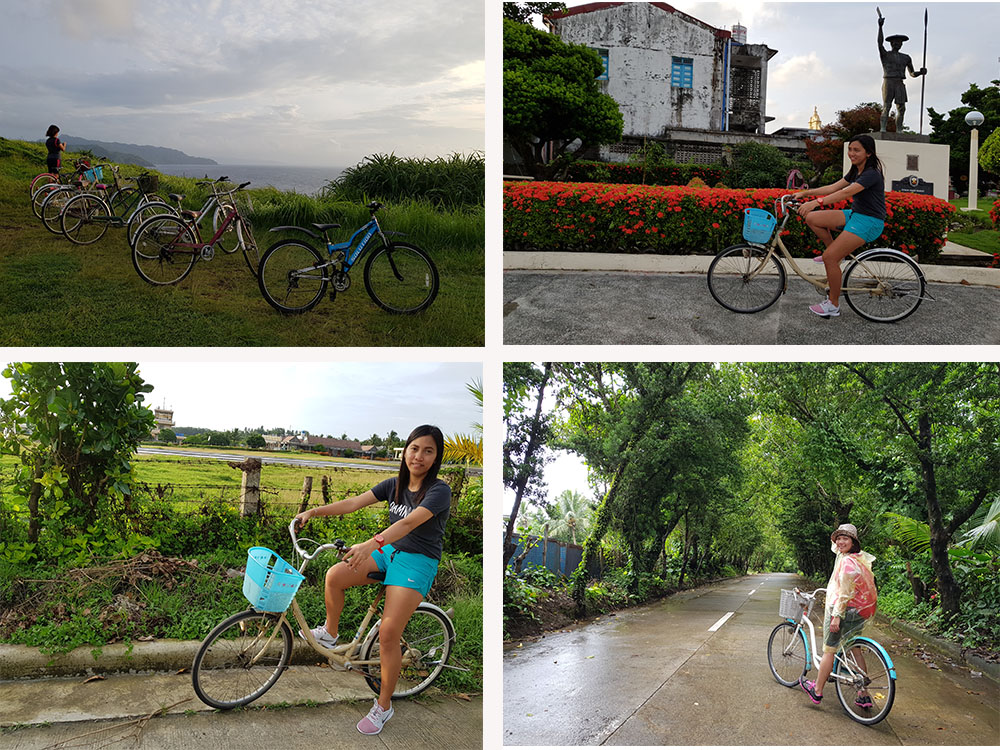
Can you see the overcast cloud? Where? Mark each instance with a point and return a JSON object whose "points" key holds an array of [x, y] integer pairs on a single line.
{"points": [[828, 53], [311, 82], [321, 398]]}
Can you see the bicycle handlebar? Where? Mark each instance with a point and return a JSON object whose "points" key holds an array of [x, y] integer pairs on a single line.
{"points": [[338, 544]]}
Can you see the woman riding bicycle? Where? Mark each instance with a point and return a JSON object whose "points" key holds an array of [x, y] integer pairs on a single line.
{"points": [[865, 185], [850, 601], [408, 552]]}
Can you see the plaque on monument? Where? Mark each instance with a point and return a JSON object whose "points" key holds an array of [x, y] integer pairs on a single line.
{"points": [[913, 184]]}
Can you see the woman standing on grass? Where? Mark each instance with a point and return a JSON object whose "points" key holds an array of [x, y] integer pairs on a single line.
{"points": [[408, 552], [55, 148], [850, 600], [863, 222]]}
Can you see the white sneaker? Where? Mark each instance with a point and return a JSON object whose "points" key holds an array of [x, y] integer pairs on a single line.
{"points": [[323, 638], [375, 720], [825, 309]]}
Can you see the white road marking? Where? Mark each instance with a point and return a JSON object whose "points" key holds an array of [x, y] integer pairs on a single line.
{"points": [[752, 592], [721, 622]]}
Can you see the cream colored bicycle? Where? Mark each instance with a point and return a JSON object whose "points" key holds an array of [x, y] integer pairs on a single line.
{"points": [[882, 284]]}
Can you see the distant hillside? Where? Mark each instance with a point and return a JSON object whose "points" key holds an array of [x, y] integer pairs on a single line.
{"points": [[131, 153]]}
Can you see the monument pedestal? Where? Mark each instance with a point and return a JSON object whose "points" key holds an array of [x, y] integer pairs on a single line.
{"points": [[912, 163]]}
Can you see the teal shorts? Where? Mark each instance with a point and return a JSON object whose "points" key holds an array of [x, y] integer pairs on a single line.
{"points": [[410, 570], [867, 228]]}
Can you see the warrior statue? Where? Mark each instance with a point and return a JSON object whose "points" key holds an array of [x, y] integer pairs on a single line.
{"points": [[895, 64]]}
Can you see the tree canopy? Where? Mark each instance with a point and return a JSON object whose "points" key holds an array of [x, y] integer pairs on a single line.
{"points": [[551, 99], [951, 129]]}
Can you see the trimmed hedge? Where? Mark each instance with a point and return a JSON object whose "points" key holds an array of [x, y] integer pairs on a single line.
{"points": [[636, 174], [598, 217]]}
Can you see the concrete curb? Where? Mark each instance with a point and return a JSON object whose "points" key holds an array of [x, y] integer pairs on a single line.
{"points": [[698, 264], [24, 662], [952, 650]]}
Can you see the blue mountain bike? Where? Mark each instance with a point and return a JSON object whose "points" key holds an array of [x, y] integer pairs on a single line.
{"points": [[399, 277]]}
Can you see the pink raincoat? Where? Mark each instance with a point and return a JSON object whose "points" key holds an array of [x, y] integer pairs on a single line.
{"points": [[852, 584]]}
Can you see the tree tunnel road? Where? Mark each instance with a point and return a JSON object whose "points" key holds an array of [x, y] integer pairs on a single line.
{"points": [[692, 670]]}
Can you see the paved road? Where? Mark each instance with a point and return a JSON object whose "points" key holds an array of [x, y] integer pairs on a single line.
{"points": [[308, 708], [655, 675], [602, 307]]}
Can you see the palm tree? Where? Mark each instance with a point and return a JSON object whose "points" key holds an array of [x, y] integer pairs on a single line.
{"points": [[571, 515], [467, 449]]}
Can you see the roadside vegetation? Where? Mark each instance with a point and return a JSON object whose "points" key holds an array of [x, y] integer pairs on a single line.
{"points": [[58, 294], [703, 471]]}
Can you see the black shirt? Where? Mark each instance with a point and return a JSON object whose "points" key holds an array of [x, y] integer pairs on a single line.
{"points": [[428, 537], [871, 200]]}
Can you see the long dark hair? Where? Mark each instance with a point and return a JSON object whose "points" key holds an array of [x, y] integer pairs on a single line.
{"points": [[51, 131], [403, 482], [872, 162]]}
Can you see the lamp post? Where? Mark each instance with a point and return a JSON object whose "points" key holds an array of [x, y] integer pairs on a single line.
{"points": [[974, 119]]}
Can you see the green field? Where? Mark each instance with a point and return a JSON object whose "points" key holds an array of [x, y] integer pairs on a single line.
{"points": [[54, 293]]}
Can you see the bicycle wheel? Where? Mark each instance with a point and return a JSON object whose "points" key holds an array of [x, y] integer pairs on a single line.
{"points": [[874, 678], [291, 276], [401, 278], [122, 201], [230, 240], [52, 208], [250, 252], [143, 213], [239, 661], [155, 252], [739, 279], [38, 197], [888, 286], [85, 219], [45, 178], [786, 654], [425, 646]]}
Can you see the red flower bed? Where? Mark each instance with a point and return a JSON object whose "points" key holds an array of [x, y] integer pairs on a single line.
{"points": [[674, 220]]}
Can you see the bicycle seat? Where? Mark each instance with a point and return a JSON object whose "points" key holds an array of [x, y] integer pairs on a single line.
{"points": [[324, 227], [176, 197], [190, 214], [378, 575]]}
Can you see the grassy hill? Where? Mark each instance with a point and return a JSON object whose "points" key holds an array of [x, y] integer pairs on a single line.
{"points": [[55, 293]]}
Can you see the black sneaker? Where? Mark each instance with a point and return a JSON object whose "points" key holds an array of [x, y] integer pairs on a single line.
{"points": [[810, 687]]}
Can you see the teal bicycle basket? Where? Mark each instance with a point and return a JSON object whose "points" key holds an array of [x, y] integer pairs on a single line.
{"points": [[758, 225], [270, 583]]}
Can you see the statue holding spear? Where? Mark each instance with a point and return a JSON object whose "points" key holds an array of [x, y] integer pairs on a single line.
{"points": [[895, 65]]}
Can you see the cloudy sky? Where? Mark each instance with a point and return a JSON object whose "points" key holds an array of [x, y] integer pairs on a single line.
{"points": [[828, 53], [322, 398], [309, 82]]}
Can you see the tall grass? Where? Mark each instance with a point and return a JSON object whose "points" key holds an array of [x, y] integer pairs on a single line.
{"points": [[454, 182]]}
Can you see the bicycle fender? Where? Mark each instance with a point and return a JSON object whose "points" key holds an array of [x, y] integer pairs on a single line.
{"points": [[890, 250], [885, 654], [435, 608], [805, 642], [296, 229]]}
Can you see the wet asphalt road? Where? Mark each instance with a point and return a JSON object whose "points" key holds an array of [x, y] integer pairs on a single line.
{"points": [[655, 675], [623, 308]]}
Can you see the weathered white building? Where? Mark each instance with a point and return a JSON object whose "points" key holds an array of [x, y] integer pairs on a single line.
{"points": [[668, 71]]}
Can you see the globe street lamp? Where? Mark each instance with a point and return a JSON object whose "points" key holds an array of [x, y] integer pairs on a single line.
{"points": [[974, 119]]}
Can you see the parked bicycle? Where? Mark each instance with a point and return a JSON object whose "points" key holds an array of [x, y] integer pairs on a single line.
{"points": [[863, 671], [398, 276], [79, 181], [228, 243], [166, 247], [882, 284], [245, 654], [62, 177], [86, 217]]}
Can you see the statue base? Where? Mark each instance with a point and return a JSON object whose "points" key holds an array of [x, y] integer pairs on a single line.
{"points": [[911, 163]]}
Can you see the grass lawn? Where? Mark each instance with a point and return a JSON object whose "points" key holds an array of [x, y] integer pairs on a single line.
{"points": [[54, 293], [985, 240]]}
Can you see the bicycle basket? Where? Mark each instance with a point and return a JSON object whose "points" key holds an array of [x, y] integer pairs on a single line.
{"points": [[758, 225], [92, 175], [789, 606], [270, 583], [148, 183]]}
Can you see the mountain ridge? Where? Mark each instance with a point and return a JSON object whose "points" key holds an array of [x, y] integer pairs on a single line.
{"points": [[133, 153]]}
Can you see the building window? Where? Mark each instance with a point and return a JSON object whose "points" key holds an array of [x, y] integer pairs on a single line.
{"points": [[682, 73], [604, 61]]}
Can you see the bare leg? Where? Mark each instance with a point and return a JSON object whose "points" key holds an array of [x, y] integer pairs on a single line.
{"points": [[400, 604], [859, 658], [822, 222], [339, 578], [845, 244], [825, 668]]}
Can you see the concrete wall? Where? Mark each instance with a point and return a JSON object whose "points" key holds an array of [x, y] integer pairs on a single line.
{"points": [[641, 41], [932, 161]]}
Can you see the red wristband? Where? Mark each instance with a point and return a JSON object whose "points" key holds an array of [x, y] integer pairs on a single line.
{"points": [[819, 200], [380, 542]]}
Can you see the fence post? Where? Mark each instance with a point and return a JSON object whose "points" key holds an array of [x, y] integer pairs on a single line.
{"points": [[250, 488], [307, 486]]}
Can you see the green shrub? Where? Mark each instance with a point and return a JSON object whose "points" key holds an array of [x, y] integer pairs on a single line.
{"points": [[645, 174], [759, 165]]}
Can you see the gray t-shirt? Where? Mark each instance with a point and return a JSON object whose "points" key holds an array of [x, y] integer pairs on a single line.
{"points": [[428, 537], [871, 200]]}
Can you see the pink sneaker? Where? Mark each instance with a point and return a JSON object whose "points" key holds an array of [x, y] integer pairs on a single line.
{"points": [[810, 687], [825, 309], [375, 720]]}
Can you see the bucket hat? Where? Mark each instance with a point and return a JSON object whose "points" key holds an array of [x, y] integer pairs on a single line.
{"points": [[846, 528]]}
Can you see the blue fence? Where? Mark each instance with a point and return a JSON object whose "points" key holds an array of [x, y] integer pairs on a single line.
{"points": [[559, 557]]}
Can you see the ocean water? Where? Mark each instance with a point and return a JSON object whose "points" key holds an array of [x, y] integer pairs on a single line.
{"points": [[306, 180]]}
